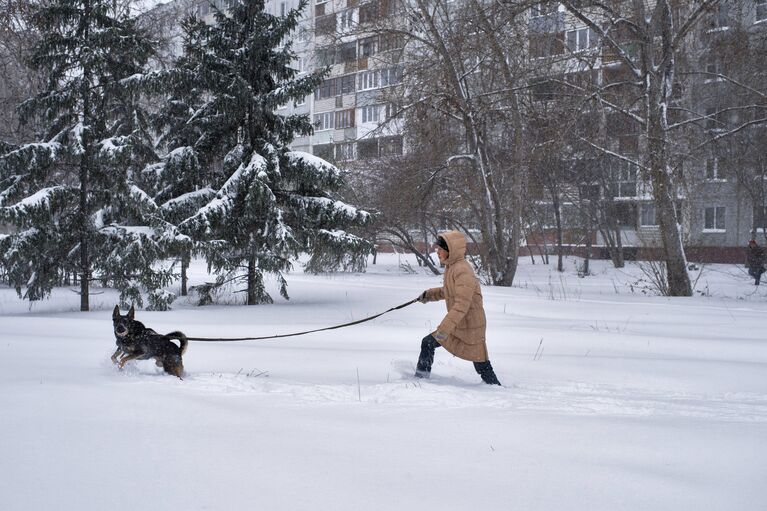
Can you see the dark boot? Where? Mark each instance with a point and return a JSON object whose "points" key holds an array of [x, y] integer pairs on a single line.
{"points": [[485, 371], [426, 358]]}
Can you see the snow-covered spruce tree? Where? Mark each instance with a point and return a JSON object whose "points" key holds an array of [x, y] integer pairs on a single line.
{"points": [[180, 183], [72, 196], [271, 203], [179, 187]]}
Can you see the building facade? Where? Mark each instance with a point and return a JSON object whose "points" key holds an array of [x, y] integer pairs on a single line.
{"points": [[719, 144], [721, 196]]}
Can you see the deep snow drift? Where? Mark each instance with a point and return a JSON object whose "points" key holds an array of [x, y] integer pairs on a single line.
{"points": [[612, 400]]}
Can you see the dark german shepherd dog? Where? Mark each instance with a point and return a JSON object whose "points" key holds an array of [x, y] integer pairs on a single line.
{"points": [[137, 342]]}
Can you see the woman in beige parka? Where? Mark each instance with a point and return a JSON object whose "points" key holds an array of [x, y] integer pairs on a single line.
{"points": [[462, 331]]}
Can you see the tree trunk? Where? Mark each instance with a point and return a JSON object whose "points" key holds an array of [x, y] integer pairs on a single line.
{"points": [[664, 191], [508, 258], [184, 277], [587, 259], [620, 256], [252, 298], [611, 232], [558, 219], [493, 218], [85, 163], [676, 262]]}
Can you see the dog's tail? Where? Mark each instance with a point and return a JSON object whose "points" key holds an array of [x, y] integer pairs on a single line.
{"points": [[183, 342]]}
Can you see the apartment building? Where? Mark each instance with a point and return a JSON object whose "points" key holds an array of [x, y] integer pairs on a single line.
{"points": [[352, 112], [721, 200]]}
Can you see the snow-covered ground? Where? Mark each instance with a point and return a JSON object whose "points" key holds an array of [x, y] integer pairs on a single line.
{"points": [[612, 400]]}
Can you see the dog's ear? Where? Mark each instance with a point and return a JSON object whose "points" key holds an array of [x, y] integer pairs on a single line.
{"points": [[116, 312], [131, 313]]}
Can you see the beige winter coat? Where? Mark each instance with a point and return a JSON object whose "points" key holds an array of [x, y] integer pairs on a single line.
{"points": [[465, 321]]}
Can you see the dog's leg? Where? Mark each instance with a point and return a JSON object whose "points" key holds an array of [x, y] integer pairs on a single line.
{"points": [[173, 364], [114, 355], [127, 359]]}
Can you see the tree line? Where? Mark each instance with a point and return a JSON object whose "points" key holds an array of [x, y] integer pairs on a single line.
{"points": [[526, 118], [132, 164], [520, 119]]}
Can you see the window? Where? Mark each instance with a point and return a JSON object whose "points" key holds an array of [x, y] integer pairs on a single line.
{"points": [[543, 9], [325, 25], [345, 151], [390, 146], [391, 76], [580, 39], [647, 218], [388, 7], [345, 84], [326, 56], [300, 102], [303, 34], [371, 113], [369, 80], [761, 10], [625, 178], [335, 87], [283, 8], [394, 41], [546, 90], [324, 151], [300, 64], [367, 148], [713, 69], [628, 143], [324, 121], [368, 46], [760, 217], [319, 8], [715, 169], [712, 121], [392, 110], [369, 12], [719, 19], [626, 214], [712, 65], [545, 45], [345, 119], [714, 218], [347, 19], [347, 52], [327, 89], [589, 192]]}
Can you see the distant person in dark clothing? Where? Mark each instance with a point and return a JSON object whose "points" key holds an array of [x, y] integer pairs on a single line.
{"points": [[755, 261]]}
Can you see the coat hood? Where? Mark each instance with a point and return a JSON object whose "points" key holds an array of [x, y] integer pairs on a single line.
{"points": [[456, 243]]}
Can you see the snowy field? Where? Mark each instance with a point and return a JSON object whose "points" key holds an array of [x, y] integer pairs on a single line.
{"points": [[612, 400]]}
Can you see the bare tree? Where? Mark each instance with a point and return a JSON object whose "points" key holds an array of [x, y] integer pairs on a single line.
{"points": [[647, 40], [19, 82], [452, 72]]}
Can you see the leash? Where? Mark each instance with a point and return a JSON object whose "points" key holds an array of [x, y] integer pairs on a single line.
{"points": [[229, 339]]}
